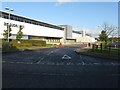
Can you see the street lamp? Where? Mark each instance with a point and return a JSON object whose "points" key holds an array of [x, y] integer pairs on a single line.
{"points": [[9, 9]]}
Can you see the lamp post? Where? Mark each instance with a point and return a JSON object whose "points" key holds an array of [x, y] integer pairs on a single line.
{"points": [[9, 9]]}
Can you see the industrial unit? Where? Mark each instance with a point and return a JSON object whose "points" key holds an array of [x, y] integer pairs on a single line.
{"points": [[38, 30]]}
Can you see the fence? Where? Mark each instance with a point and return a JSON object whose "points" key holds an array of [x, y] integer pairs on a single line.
{"points": [[102, 48]]}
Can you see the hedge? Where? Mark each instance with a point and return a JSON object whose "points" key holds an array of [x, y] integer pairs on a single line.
{"points": [[8, 47], [27, 43]]}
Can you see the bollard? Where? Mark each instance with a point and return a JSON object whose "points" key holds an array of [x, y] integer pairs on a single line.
{"points": [[109, 49], [60, 44], [96, 46], [93, 47], [101, 47], [89, 44]]}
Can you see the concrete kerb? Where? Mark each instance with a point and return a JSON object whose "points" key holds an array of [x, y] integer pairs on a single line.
{"points": [[84, 51]]}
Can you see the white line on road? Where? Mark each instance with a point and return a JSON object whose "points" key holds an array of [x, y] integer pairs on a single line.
{"points": [[11, 62], [50, 53], [83, 63], [60, 64], [3, 61], [42, 63], [96, 63], [59, 74], [40, 60], [80, 57], [19, 62], [79, 64]]}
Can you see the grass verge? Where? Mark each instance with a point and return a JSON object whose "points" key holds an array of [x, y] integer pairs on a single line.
{"points": [[114, 53]]}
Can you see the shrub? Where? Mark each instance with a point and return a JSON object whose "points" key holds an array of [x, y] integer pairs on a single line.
{"points": [[22, 44], [7, 46], [26, 43], [29, 43]]}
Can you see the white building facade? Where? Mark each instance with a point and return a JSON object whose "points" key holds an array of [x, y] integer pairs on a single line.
{"points": [[32, 29], [37, 30], [71, 35]]}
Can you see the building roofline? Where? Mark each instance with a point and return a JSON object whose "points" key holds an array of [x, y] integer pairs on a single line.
{"points": [[31, 19], [77, 32]]}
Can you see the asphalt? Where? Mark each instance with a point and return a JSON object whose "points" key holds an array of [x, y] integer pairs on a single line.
{"points": [[44, 68]]}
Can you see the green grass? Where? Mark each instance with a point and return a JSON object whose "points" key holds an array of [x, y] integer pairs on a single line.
{"points": [[114, 52], [25, 47], [51, 45]]}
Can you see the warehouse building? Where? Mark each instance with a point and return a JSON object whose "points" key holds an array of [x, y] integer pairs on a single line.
{"points": [[38, 30], [32, 29], [71, 36]]}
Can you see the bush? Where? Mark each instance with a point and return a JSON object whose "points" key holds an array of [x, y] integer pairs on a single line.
{"points": [[29, 43], [26, 43], [7, 46], [22, 44]]}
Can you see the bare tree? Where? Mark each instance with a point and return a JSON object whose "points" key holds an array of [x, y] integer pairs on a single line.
{"points": [[110, 30]]}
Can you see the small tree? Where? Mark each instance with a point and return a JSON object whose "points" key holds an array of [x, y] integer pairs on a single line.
{"points": [[107, 30], [19, 34], [103, 36], [5, 34]]}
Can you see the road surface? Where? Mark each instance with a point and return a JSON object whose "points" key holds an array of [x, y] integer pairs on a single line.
{"points": [[45, 68]]}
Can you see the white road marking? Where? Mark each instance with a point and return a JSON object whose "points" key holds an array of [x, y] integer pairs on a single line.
{"points": [[28, 63], [115, 63], [55, 74], [3, 61], [57, 63], [39, 57], [79, 64], [40, 60], [11, 62], [83, 63], [66, 57], [61, 63], [42, 63], [80, 57], [50, 53], [71, 63], [68, 64], [96, 63], [52, 63], [90, 64], [19, 62], [50, 74]]}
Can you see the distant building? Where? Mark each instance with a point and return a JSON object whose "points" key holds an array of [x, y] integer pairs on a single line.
{"points": [[71, 35]]}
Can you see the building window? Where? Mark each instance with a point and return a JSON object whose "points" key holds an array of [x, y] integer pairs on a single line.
{"points": [[5, 16], [12, 18]]}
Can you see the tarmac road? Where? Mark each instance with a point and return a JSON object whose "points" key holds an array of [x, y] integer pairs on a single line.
{"points": [[45, 68]]}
